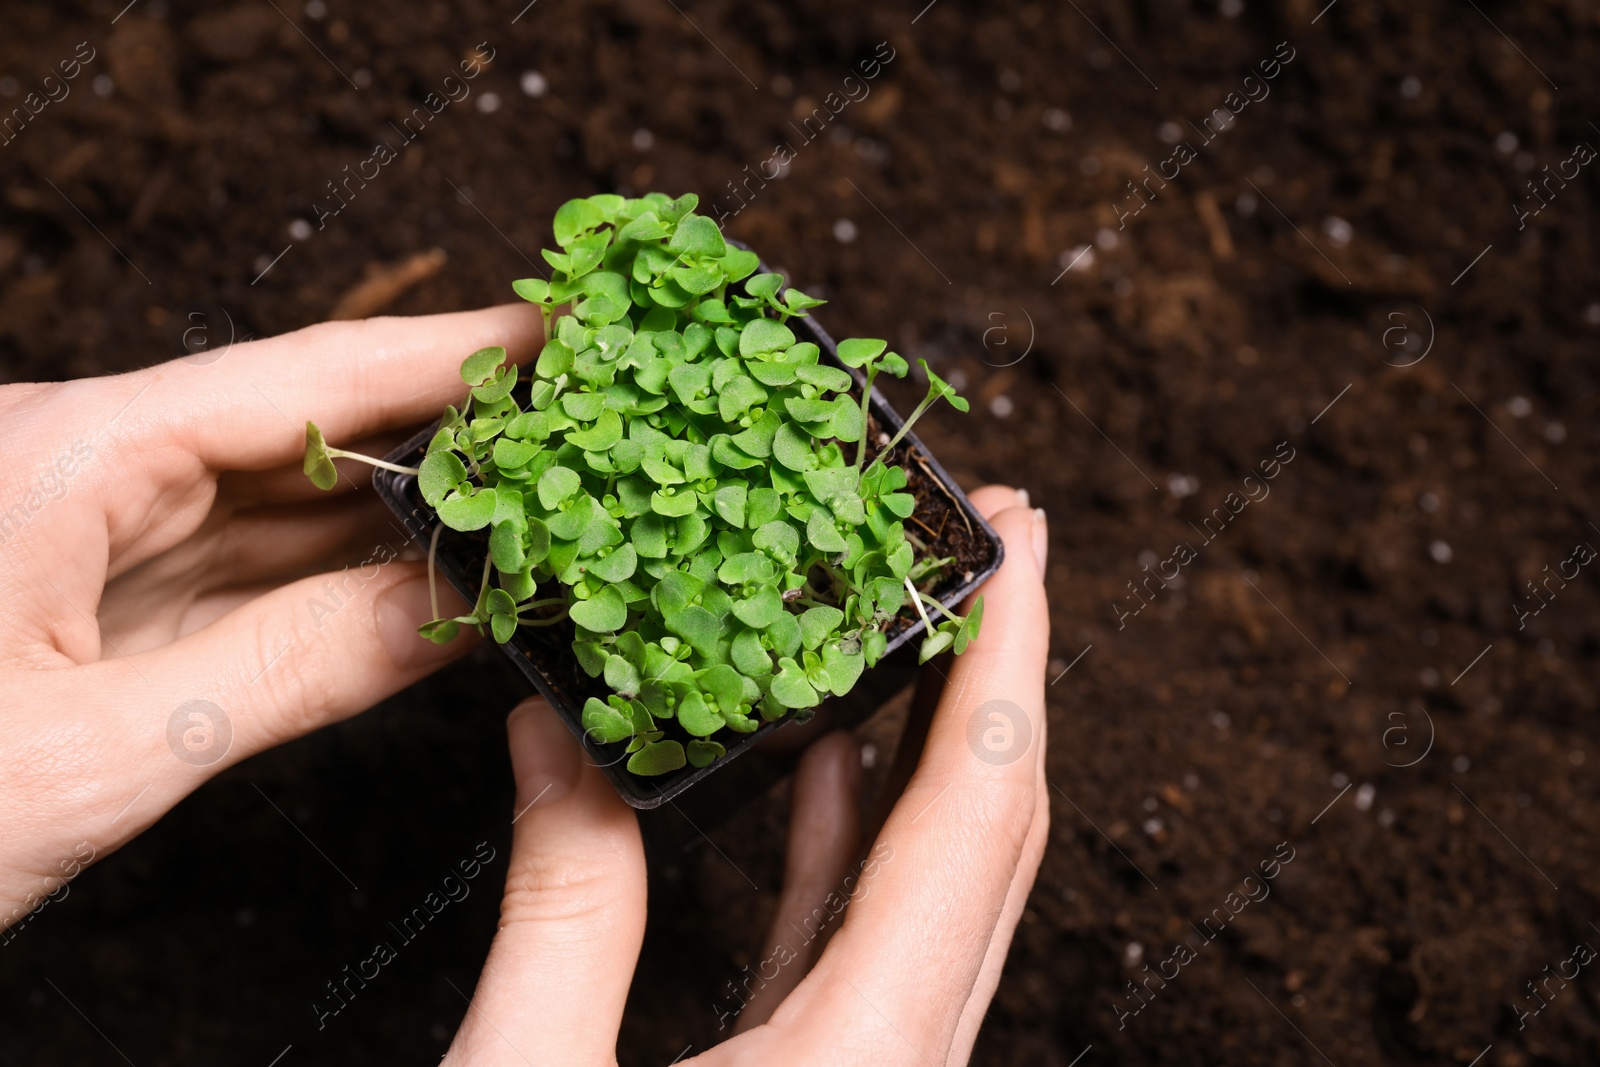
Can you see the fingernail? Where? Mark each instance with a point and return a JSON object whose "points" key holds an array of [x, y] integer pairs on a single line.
{"points": [[1041, 537], [407, 606], [545, 758], [1022, 495]]}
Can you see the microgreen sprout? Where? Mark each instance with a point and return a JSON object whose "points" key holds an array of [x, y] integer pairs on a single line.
{"points": [[669, 478], [319, 460]]}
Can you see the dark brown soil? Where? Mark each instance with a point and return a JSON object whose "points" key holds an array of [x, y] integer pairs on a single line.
{"points": [[1371, 599]]}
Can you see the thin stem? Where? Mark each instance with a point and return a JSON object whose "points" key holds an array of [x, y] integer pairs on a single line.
{"points": [[339, 453], [916, 600], [433, 570], [551, 621], [942, 609], [904, 429], [866, 405], [483, 592]]}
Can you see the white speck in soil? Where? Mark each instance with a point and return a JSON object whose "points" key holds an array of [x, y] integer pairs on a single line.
{"points": [[1506, 142], [1441, 552], [1001, 407], [1338, 230], [1428, 502], [489, 103], [1430, 677], [1461, 764], [1220, 720], [1364, 794], [316, 9], [299, 229], [1153, 826], [534, 83], [1340, 779], [102, 85], [1555, 433], [869, 756], [1410, 87], [1056, 119], [643, 140], [844, 231], [1520, 407]]}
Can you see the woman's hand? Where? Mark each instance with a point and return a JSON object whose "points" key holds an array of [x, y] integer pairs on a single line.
{"points": [[171, 595], [934, 902]]}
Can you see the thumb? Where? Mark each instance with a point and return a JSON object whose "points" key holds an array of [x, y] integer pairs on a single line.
{"points": [[573, 916]]}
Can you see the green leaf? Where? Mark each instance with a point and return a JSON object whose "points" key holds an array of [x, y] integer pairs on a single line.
{"points": [[749, 655], [843, 670], [440, 631], [509, 454], [503, 627], [604, 723], [622, 676], [467, 513], [649, 536], [556, 485], [697, 626], [478, 368], [606, 431], [319, 465], [618, 566], [817, 624], [740, 264], [938, 387], [657, 757], [934, 644], [860, 351], [724, 684], [696, 717], [698, 236], [647, 227], [673, 503], [760, 610], [730, 504], [764, 335], [498, 387], [763, 506], [778, 537], [969, 627], [533, 290], [791, 447], [822, 534], [505, 548], [823, 376], [790, 687], [602, 613], [705, 753], [574, 219]]}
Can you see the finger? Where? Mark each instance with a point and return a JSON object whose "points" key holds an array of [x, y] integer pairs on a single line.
{"points": [[824, 838], [951, 849], [990, 500], [130, 736], [994, 959], [247, 555], [288, 484], [572, 922], [248, 410], [308, 654]]}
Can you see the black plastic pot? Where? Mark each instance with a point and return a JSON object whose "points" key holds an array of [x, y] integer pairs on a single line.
{"points": [[545, 655]]}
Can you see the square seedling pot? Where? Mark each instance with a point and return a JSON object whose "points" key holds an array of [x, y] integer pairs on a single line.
{"points": [[545, 656]]}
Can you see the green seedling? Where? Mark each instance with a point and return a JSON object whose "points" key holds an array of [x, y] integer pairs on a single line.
{"points": [[670, 477]]}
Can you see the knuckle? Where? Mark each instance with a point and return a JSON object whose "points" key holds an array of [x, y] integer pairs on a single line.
{"points": [[544, 889]]}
